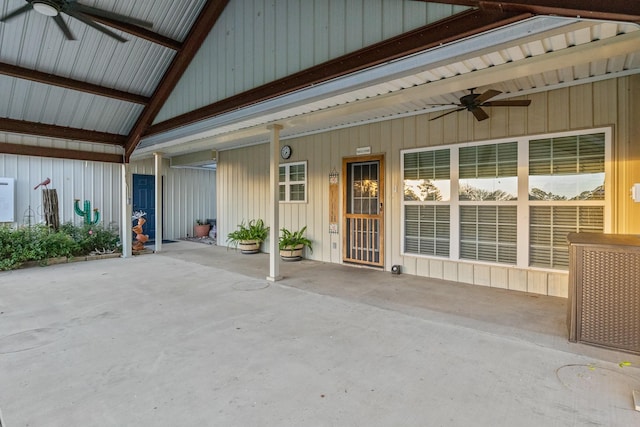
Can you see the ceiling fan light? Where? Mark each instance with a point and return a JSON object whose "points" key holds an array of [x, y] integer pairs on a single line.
{"points": [[45, 8]]}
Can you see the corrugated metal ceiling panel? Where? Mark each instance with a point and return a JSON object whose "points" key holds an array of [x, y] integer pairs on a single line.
{"points": [[33, 41], [36, 102], [559, 40]]}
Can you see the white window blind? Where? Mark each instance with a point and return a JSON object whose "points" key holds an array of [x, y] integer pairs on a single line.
{"points": [[489, 233], [549, 226], [426, 177], [568, 169], [489, 172], [471, 192], [427, 230]]}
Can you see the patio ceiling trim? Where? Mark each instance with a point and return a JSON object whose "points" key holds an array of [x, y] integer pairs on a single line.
{"points": [[199, 32], [59, 153], [278, 108], [62, 132], [243, 125], [615, 10], [444, 31], [67, 83]]}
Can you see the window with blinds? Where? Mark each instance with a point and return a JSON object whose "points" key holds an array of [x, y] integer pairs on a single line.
{"points": [[426, 230], [471, 193], [566, 187], [426, 177], [489, 172], [489, 233], [567, 168], [549, 226]]}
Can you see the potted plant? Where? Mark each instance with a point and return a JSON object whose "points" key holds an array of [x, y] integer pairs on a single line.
{"points": [[248, 237], [292, 243], [201, 229]]}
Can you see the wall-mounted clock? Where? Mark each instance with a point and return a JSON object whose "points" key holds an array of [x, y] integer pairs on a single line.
{"points": [[285, 151]]}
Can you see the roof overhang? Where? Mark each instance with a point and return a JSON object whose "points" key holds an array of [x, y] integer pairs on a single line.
{"points": [[537, 54]]}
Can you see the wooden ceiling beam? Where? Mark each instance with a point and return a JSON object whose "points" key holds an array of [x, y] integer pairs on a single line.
{"points": [[67, 83], [198, 33], [140, 32], [459, 26], [61, 132], [615, 10], [59, 153]]}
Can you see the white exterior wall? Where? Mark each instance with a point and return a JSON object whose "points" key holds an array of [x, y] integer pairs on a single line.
{"points": [[189, 193], [257, 41], [243, 173], [72, 179]]}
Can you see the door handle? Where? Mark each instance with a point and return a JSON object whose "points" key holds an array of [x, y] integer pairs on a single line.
{"points": [[380, 207]]}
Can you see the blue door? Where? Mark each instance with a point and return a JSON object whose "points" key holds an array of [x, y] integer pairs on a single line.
{"points": [[144, 199]]}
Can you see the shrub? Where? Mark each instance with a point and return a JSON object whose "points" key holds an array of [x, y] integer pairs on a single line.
{"points": [[96, 238], [39, 242]]}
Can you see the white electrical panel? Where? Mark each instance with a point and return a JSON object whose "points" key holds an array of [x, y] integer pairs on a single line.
{"points": [[635, 193], [7, 200]]}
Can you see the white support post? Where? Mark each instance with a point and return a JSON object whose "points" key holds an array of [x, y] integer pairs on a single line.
{"points": [[158, 196], [274, 205], [125, 232]]}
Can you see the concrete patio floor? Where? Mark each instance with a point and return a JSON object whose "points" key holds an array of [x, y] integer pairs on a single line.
{"points": [[195, 336]]}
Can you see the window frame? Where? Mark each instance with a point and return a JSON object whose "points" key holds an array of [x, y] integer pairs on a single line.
{"points": [[287, 183], [523, 203]]}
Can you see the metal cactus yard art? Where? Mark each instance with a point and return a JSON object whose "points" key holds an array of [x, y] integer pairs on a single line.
{"points": [[86, 213]]}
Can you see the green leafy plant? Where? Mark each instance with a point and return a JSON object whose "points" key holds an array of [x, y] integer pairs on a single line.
{"points": [[39, 242], [291, 239], [200, 222], [254, 230]]}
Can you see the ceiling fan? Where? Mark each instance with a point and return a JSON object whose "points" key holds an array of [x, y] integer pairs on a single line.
{"points": [[86, 14], [475, 101]]}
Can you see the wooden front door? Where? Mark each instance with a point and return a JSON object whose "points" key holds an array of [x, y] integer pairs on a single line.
{"points": [[363, 241]]}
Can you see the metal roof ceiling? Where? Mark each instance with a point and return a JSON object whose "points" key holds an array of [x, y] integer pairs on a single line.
{"points": [[99, 90], [530, 56]]}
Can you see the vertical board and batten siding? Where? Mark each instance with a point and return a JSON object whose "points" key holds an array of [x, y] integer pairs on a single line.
{"points": [[255, 42], [189, 193], [72, 179], [243, 194]]}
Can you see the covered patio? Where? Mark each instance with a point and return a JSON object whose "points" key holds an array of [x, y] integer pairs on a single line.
{"points": [[196, 336]]}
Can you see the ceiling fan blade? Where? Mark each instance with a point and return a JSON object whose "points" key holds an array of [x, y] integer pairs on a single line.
{"points": [[453, 104], [479, 114], [88, 10], [486, 95], [63, 26], [18, 11], [514, 103], [87, 20], [447, 113]]}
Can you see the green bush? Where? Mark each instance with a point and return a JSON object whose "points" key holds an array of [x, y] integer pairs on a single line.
{"points": [[39, 242]]}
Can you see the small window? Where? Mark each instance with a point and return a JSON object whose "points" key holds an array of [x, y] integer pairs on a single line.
{"points": [[293, 182]]}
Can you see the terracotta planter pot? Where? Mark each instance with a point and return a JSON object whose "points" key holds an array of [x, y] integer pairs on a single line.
{"points": [[201, 230], [292, 253], [249, 246]]}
